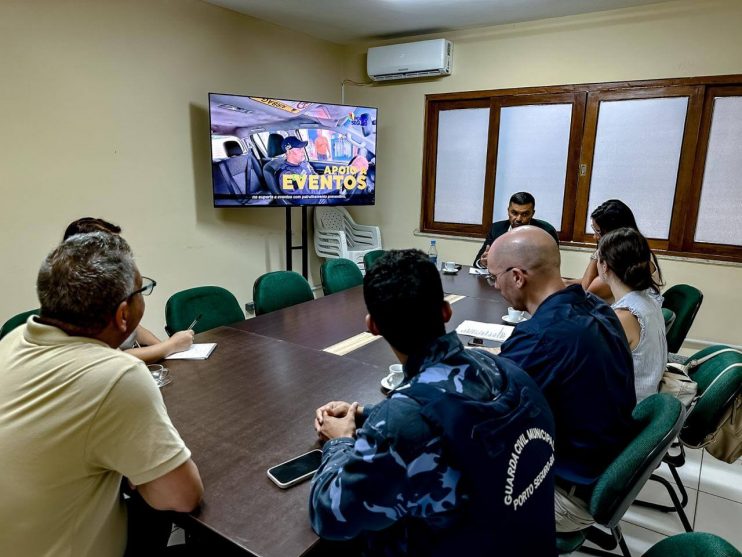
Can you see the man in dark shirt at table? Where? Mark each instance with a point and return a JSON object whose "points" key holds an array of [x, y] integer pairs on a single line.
{"points": [[575, 349], [393, 483], [521, 208]]}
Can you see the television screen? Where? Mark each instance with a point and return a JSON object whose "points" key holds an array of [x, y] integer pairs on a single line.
{"points": [[278, 152]]}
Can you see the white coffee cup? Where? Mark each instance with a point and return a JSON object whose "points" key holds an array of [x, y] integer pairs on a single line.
{"points": [[396, 375], [515, 314], [450, 266]]}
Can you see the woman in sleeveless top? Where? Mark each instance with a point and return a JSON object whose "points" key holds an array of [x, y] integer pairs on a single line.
{"points": [[624, 264]]}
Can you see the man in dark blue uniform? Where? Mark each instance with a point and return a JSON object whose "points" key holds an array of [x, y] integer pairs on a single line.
{"points": [[294, 165], [575, 349], [468, 473], [521, 209]]}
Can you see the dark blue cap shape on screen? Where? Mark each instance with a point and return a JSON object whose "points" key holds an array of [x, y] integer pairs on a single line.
{"points": [[292, 142]]}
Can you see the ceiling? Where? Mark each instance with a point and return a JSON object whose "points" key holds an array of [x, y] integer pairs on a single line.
{"points": [[347, 21]]}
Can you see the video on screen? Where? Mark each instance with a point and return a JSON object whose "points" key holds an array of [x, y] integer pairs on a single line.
{"points": [[276, 152]]}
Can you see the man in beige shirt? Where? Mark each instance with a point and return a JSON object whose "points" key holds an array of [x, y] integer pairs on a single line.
{"points": [[77, 415]]}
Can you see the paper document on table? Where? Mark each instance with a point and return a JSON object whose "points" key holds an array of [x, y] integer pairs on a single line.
{"points": [[199, 351], [489, 331], [476, 271]]}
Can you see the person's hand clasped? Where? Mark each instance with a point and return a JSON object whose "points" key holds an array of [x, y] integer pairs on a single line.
{"points": [[336, 419]]}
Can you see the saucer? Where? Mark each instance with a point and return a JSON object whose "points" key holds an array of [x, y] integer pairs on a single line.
{"points": [[387, 384], [507, 319], [446, 272]]}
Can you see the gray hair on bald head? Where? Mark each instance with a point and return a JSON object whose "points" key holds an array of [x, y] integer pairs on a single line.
{"points": [[84, 279]]}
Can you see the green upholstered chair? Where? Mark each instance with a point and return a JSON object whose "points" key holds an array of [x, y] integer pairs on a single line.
{"points": [[213, 305], [684, 301], [693, 544], [280, 289], [370, 258], [16, 321], [719, 383], [339, 274], [669, 317], [657, 421]]}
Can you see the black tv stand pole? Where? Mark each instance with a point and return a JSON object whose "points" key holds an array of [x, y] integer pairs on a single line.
{"points": [[302, 246]]}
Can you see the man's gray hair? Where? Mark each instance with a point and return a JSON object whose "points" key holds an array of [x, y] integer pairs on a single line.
{"points": [[84, 279]]}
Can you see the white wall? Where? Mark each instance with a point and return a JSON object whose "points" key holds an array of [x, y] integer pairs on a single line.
{"points": [[103, 112], [673, 39]]}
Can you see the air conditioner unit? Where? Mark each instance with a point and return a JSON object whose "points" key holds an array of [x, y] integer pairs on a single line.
{"points": [[409, 60]]}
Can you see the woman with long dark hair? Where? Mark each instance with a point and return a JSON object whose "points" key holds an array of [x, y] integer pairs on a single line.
{"points": [[624, 264], [609, 216]]}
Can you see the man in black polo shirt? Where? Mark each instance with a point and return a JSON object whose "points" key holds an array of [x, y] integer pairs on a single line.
{"points": [[521, 209]]}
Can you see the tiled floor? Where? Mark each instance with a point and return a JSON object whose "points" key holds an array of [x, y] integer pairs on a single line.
{"points": [[714, 504]]}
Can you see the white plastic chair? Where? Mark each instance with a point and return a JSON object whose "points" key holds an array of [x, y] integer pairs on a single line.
{"points": [[336, 234]]}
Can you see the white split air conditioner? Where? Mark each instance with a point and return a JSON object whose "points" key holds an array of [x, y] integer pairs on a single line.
{"points": [[405, 61]]}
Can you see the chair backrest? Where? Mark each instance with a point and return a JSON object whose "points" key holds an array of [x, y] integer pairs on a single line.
{"points": [[715, 395], [684, 300], [280, 289], [216, 306], [657, 419], [693, 544], [331, 218], [270, 169], [16, 321], [669, 316], [370, 258], [339, 274]]}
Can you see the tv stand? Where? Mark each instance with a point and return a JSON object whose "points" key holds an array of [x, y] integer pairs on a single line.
{"points": [[303, 246]]}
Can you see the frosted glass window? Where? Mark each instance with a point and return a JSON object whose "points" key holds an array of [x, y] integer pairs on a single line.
{"points": [[637, 153], [532, 155], [720, 210], [460, 166]]}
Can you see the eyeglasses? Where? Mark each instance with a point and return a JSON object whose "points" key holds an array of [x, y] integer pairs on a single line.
{"points": [[596, 230], [148, 285], [492, 279]]}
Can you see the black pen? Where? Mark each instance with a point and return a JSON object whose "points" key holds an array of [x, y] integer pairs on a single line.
{"points": [[198, 318]]}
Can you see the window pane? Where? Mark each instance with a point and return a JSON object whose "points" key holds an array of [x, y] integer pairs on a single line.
{"points": [[637, 153], [460, 166], [532, 156], [719, 215]]}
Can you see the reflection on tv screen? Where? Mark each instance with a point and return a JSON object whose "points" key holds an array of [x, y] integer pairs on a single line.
{"points": [[277, 152]]}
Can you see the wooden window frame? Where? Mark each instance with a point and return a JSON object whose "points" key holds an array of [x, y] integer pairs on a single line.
{"points": [[700, 91], [693, 200]]}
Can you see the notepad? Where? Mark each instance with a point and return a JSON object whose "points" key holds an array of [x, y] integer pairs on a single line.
{"points": [[476, 271], [199, 351], [489, 331]]}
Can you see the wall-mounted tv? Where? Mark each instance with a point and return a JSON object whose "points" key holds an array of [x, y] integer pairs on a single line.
{"points": [[278, 152]]}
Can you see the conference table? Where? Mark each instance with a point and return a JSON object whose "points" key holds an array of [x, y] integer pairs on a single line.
{"points": [[251, 405]]}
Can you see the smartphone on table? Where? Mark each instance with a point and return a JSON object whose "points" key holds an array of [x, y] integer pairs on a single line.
{"points": [[295, 470]]}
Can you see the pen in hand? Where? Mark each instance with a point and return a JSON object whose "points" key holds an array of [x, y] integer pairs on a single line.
{"points": [[198, 318]]}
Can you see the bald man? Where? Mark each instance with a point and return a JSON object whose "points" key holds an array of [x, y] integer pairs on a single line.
{"points": [[575, 350]]}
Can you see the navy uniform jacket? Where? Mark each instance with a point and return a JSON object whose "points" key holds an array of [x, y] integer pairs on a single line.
{"points": [[575, 349], [500, 227], [394, 487]]}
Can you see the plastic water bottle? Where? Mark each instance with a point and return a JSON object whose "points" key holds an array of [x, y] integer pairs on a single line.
{"points": [[433, 253]]}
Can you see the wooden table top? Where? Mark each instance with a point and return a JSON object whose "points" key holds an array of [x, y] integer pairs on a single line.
{"points": [[251, 405]]}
